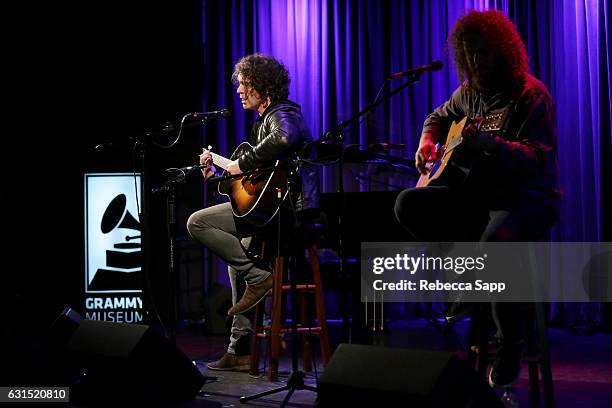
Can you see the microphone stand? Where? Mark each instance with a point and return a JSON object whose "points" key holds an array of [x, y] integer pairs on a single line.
{"points": [[337, 135], [169, 189], [144, 143], [141, 145], [295, 381]]}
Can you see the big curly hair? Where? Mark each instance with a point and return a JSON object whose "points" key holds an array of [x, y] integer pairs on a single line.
{"points": [[501, 36], [265, 74]]}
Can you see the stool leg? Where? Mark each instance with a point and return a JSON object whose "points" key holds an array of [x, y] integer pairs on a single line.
{"points": [[483, 350], [320, 304], [534, 383], [277, 296], [256, 341], [479, 336], [545, 368], [472, 352], [306, 355]]}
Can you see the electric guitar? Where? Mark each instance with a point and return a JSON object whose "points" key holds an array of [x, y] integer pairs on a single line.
{"points": [[453, 166], [257, 196]]}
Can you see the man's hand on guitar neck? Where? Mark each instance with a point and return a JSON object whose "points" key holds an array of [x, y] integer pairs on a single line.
{"points": [[206, 160], [426, 153], [479, 141]]}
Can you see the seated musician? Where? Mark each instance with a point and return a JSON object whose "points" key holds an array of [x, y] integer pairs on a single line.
{"points": [[278, 133], [511, 192]]}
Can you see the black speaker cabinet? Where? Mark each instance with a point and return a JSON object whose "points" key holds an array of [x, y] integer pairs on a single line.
{"points": [[121, 362], [370, 375]]}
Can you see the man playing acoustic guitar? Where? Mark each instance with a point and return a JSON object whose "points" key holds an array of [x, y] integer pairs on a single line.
{"points": [[510, 192], [278, 134]]}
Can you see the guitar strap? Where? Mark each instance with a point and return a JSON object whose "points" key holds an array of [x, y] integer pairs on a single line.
{"points": [[516, 119], [514, 116]]}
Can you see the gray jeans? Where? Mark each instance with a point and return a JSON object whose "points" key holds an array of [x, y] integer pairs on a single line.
{"points": [[229, 238], [241, 325]]}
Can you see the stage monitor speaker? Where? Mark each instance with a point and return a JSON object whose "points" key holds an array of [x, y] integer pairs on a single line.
{"points": [[63, 328], [371, 375], [121, 362]]}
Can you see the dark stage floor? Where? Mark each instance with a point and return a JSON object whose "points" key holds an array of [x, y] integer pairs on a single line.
{"points": [[581, 365]]}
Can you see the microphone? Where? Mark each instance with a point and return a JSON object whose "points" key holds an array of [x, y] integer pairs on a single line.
{"points": [[223, 113], [103, 146], [108, 145], [386, 146], [434, 65], [184, 170], [193, 168]]}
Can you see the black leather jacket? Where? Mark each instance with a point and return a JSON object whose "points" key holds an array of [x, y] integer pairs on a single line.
{"points": [[281, 133]]}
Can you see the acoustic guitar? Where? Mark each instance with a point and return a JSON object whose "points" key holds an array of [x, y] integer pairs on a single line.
{"points": [[257, 196], [453, 165]]}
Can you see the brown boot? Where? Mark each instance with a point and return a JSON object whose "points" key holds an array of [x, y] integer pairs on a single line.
{"points": [[231, 362], [252, 296]]}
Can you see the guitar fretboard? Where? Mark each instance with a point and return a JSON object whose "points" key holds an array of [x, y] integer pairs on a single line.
{"points": [[220, 161]]}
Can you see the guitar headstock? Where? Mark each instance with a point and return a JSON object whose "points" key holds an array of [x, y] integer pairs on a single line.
{"points": [[495, 122]]}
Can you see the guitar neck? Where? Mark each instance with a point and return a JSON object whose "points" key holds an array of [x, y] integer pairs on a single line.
{"points": [[220, 161]]}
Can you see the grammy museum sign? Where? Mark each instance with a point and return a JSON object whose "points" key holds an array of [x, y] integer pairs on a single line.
{"points": [[113, 278]]}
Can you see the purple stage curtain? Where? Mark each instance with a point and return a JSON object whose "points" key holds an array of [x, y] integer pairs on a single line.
{"points": [[569, 47], [339, 53]]}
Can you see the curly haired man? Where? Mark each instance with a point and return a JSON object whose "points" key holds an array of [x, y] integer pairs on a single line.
{"points": [[511, 192], [278, 133]]}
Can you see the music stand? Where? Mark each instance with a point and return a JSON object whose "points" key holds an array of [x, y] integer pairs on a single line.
{"points": [[295, 381]]}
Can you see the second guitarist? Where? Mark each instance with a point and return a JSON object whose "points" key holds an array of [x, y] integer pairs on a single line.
{"points": [[278, 134], [512, 190]]}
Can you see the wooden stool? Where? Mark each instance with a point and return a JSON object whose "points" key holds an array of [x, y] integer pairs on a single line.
{"points": [[275, 329]]}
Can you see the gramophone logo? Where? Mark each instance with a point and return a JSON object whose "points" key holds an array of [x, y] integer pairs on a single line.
{"points": [[113, 244]]}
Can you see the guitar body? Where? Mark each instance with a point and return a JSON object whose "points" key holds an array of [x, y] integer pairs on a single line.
{"points": [[256, 197], [445, 170], [454, 165]]}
